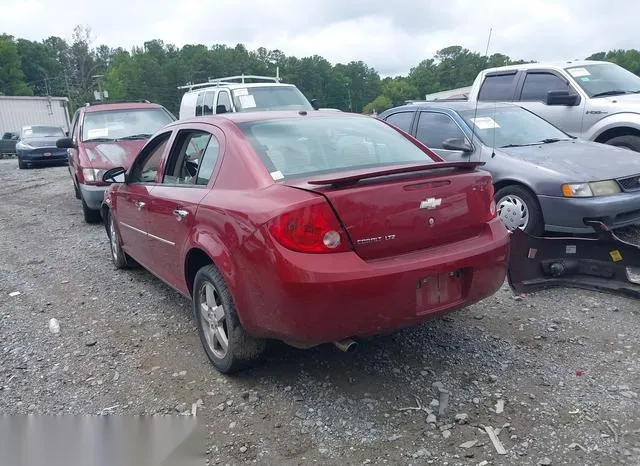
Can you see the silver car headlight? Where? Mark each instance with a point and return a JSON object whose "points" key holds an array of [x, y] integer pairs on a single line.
{"points": [[593, 189]]}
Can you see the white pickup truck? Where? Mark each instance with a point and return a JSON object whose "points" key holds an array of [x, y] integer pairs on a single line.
{"points": [[593, 100]]}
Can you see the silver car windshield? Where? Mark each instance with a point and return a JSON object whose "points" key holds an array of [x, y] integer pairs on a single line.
{"points": [[605, 79], [510, 126]]}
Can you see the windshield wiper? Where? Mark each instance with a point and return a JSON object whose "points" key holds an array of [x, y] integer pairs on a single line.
{"points": [[551, 140], [606, 93], [518, 145], [98, 140], [136, 136]]}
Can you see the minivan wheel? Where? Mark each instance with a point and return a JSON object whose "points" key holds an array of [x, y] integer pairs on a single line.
{"points": [[629, 141], [518, 208], [90, 215], [227, 345]]}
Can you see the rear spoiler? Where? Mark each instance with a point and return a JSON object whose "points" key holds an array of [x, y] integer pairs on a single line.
{"points": [[607, 263], [355, 176]]}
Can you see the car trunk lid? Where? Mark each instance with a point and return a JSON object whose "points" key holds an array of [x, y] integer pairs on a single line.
{"points": [[402, 209]]}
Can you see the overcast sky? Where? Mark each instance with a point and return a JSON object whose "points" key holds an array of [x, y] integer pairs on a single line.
{"points": [[390, 35]]}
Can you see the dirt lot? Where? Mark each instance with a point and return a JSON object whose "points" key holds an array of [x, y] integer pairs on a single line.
{"points": [[556, 374]]}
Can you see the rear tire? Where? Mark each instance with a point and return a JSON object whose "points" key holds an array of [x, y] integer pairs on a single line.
{"points": [[629, 141], [227, 345], [90, 215], [518, 208]]}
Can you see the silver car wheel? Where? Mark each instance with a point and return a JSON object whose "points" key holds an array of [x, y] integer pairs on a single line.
{"points": [[513, 212], [214, 320]]}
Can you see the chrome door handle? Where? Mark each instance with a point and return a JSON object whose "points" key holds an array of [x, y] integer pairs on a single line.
{"points": [[140, 205], [180, 214]]}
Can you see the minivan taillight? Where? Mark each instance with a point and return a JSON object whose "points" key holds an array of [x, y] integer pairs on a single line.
{"points": [[311, 229]]}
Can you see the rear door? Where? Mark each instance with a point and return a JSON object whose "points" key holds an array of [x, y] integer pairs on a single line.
{"points": [[188, 173], [133, 197]]}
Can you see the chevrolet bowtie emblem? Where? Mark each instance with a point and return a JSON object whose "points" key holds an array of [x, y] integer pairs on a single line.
{"points": [[430, 203]]}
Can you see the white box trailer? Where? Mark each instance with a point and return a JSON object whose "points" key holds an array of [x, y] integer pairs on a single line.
{"points": [[19, 111]]}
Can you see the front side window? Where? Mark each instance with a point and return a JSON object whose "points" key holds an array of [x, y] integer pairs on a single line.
{"points": [[435, 128], [147, 164], [224, 100], [263, 98], [207, 103], [603, 79], [109, 125], [537, 85], [511, 126], [308, 146]]}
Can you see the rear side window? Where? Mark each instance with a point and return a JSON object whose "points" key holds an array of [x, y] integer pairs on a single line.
{"points": [[402, 120], [298, 147], [536, 86], [207, 103], [199, 104], [497, 87]]}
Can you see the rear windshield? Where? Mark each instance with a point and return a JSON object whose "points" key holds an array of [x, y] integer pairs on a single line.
{"points": [[303, 146], [262, 98], [117, 124]]}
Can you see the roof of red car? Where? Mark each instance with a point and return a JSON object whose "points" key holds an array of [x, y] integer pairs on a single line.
{"points": [[244, 117], [120, 106]]}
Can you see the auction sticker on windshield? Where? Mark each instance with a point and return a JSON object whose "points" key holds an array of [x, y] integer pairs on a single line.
{"points": [[247, 101], [485, 122], [578, 72], [98, 133], [239, 92]]}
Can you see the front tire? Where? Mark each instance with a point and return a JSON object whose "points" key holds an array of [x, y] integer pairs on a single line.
{"points": [[21, 164], [90, 215], [227, 345], [518, 208], [629, 141], [118, 256]]}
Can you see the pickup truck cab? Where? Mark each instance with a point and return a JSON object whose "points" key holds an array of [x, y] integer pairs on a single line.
{"points": [[594, 100]]}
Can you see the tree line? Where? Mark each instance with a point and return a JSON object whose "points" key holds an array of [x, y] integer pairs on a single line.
{"points": [[154, 71]]}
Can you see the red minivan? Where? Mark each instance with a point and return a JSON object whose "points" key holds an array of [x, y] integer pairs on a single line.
{"points": [[104, 136]]}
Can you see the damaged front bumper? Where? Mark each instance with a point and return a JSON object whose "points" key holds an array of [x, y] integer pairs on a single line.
{"points": [[606, 264]]}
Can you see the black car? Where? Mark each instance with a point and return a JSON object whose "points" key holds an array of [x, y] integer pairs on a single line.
{"points": [[37, 146]]}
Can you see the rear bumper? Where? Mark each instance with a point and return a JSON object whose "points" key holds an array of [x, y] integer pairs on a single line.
{"points": [[312, 299], [92, 195], [568, 215]]}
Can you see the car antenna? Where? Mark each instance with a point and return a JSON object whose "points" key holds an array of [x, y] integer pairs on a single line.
{"points": [[475, 112]]}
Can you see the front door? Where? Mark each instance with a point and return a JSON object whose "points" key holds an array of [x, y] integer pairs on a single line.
{"points": [[174, 202], [433, 128], [533, 97], [133, 198]]}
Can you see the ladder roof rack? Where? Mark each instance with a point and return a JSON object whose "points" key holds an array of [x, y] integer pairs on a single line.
{"points": [[214, 82]]}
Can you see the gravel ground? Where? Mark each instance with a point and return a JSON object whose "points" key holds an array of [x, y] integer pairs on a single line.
{"points": [[556, 375]]}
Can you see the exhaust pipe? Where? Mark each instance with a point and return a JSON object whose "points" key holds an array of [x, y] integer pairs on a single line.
{"points": [[346, 345]]}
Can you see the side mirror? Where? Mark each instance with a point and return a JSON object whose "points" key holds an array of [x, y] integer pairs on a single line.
{"points": [[315, 104], [221, 109], [115, 175], [562, 98], [65, 143], [457, 144]]}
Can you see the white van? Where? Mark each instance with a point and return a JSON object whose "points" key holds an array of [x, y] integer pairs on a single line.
{"points": [[224, 95]]}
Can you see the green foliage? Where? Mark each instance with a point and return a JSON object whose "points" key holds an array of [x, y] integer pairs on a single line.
{"points": [[155, 70]]}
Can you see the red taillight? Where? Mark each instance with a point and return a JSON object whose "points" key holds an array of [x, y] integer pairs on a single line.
{"points": [[492, 202], [311, 229]]}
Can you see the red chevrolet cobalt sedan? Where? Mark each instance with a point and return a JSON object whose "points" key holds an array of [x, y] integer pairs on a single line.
{"points": [[306, 227]]}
